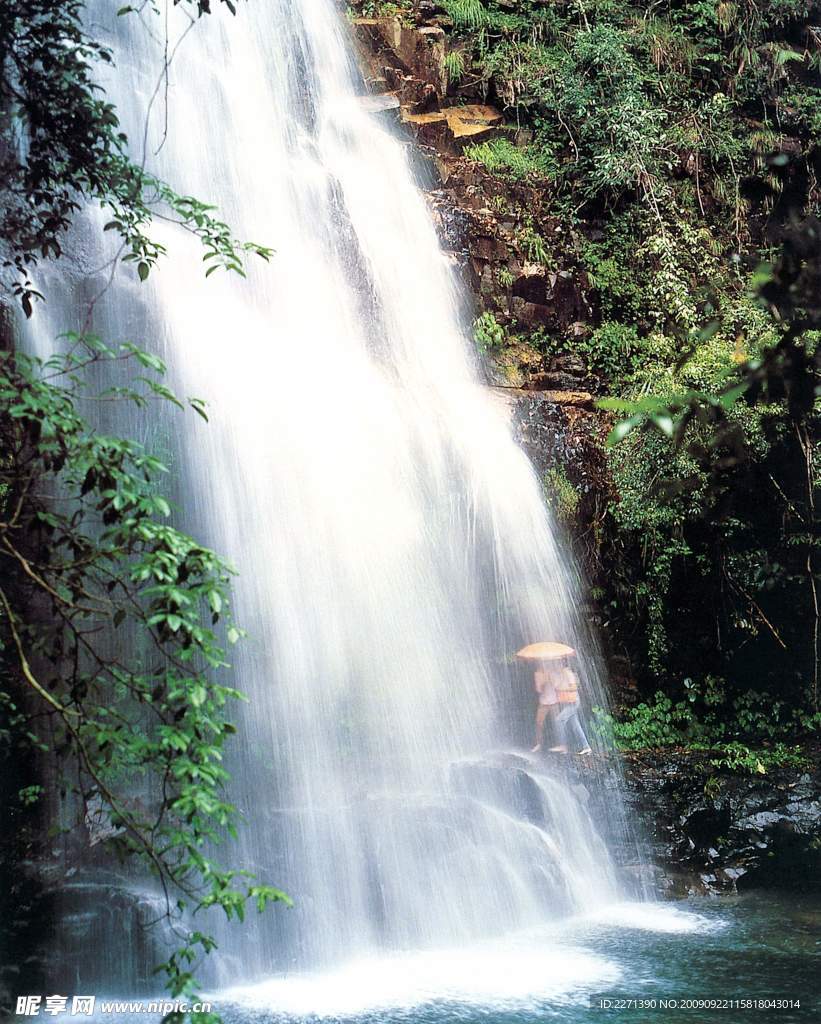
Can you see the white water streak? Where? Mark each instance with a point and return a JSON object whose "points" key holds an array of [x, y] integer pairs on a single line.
{"points": [[392, 541]]}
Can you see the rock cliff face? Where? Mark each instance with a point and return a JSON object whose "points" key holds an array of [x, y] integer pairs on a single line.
{"points": [[710, 831], [489, 225]]}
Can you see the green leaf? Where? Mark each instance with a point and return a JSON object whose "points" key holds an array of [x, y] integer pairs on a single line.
{"points": [[616, 404], [664, 422], [710, 330], [622, 429], [729, 397], [762, 274], [198, 696], [199, 406]]}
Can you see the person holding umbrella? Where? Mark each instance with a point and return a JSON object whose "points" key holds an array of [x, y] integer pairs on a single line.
{"points": [[558, 688]]}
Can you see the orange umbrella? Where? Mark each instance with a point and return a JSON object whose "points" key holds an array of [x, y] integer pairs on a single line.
{"points": [[545, 650]]}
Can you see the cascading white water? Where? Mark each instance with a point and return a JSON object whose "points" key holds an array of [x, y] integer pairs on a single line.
{"points": [[392, 540]]}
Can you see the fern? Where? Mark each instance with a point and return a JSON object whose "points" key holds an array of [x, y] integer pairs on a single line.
{"points": [[454, 65], [500, 156], [534, 246], [488, 333], [467, 14]]}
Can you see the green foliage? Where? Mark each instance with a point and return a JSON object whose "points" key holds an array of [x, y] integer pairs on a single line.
{"points": [[487, 333], [93, 566], [110, 556], [455, 66], [630, 94], [613, 351], [739, 757], [653, 139], [534, 245], [467, 14], [222, 250], [382, 9], [661, 723], [706, 719], [501, 157], [561, 495], [717, 466], [63, 146], [506, 278], [616, 350]]}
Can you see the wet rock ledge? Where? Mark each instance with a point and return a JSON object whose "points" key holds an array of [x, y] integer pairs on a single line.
{"points": [[713, 831]]}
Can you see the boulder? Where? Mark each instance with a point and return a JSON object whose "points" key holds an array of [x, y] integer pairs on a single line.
{"points": [[534, 284], [418, 51], [574, 399], [505, 782], [430, 129]]}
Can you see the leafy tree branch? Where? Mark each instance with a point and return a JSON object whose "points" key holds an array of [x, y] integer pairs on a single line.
{"points": [[103, 557]]}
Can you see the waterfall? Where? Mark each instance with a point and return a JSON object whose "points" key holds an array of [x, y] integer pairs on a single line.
{"points": [[392, 540]]}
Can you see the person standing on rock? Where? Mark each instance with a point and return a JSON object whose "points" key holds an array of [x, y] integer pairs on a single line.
{"points": [[558, 688], [568, 723], [548, 706]]}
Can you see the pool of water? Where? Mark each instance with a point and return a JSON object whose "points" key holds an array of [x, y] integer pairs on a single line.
{"points": [[620, 964]]}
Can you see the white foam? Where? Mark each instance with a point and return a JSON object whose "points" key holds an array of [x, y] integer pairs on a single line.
{"points": [[655, 917], [512, 976], [525, 971]]}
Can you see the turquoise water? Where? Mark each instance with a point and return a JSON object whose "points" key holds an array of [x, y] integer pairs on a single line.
{"points": [[738, 948]]}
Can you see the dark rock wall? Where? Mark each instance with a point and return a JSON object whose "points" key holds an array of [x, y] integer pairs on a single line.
{"points": [[710, 831]]}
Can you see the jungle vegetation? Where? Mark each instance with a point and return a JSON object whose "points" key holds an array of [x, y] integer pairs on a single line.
{"points": [[676, 144]]}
